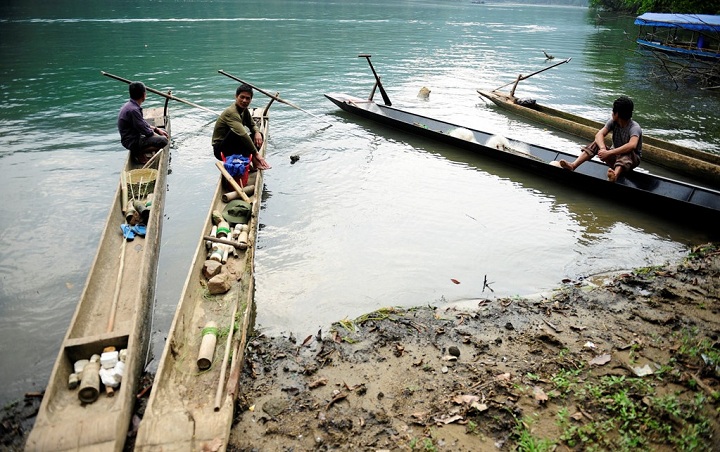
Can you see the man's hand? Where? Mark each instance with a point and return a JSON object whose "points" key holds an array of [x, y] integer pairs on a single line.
{"points": [[604, 154], [162, 132], [260, 163], [258, 140]]}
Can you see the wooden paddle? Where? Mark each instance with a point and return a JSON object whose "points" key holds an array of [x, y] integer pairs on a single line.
{"points": [[272, 96], [232, 182], [523, 77], [160, 93], [384, 95]]}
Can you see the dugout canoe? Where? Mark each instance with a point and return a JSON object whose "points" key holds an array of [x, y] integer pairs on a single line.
{"points": [[113, 311], [677, 200], [189, 408], [700, 165]]}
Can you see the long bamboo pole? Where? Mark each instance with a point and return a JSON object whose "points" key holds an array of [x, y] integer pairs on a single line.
{"points": [[160, 93]]}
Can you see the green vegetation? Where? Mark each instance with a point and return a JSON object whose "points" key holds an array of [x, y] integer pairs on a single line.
{"points": [[658, 6], [626, 413]]}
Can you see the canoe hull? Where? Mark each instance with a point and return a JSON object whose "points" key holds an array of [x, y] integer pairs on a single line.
{"points": [[63, 422], [678, 200], [185, 410], [703, 166]]}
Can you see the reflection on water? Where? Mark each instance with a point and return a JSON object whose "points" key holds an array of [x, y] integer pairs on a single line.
{"points": [[367, 217]]}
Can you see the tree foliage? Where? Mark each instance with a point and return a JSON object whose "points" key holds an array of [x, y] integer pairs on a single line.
{"points": [[658, 6]]}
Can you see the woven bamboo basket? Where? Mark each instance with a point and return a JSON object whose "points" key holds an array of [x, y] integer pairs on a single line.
{"points": [[141, 182]]}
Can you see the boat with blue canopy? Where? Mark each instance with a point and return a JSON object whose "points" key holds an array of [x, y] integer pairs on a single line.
{"points": [[686, 35]]}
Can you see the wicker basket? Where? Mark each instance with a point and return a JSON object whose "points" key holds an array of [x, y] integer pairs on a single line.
{"points": [[140, 182]]}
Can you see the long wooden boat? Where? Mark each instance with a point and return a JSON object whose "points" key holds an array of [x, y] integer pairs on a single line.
{"points": [[113, 311], [702, 166], [687, 35], [676, 199], [191, 408]]}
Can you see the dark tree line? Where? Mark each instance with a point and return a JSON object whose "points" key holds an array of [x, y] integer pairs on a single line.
{"points": [[659, 6]]}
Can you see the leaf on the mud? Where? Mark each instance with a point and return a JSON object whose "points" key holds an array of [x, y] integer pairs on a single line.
{"points": [[455, 280], [479, 406], [643, 371], [577, 416], [399, 350], [317, 383], [335, 399], [449, 420], [600, 360], [418, 363], [419, 414], [353, 387], [466, 399], [540, 395], [503, 377], [307, 341]]}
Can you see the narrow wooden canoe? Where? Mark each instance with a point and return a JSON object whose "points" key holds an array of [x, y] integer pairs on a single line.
{"points": [[113, 311], [677, 200], [702, 166], [186, 410]]}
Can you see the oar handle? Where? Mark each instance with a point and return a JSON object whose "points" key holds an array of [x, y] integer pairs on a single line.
{"points": [[160, 93], [384, 95]]}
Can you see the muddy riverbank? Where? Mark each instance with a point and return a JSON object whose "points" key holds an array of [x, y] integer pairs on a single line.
{"points": [[626, 361]]}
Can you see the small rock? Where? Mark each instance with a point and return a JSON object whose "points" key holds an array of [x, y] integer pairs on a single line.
{"points": [[211, 268], [294, 158], [444, 369], [275, 406], [219, 284], [453, 350]]}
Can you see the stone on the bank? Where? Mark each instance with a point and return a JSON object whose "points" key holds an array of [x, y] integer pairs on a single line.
{"points": [[211, 268], [219, 284]]}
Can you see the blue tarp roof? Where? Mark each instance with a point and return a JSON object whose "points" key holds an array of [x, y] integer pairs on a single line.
{"points": [[698, 22]]}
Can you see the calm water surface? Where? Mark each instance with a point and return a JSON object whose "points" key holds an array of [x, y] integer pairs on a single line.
{"points": [[368, 217]]}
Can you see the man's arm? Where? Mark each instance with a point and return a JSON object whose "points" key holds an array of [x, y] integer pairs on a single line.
{"points": [[600, 137], [627, 147]]}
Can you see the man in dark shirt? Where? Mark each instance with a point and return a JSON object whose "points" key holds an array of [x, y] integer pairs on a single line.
{"points": [[139, 137]]}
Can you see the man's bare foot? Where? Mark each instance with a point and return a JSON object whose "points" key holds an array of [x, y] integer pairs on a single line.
{"points": [[568, 166], [611, 175]]}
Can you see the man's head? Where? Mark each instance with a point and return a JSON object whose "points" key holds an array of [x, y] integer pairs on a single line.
{"points": [[243, 95], [623, 106], [137, 90]]}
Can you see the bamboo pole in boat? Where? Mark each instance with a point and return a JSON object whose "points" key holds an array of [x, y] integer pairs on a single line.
{"points": [[223, 370], [236, 366], [232, 182]]}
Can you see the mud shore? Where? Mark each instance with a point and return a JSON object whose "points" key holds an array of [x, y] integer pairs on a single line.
{"points": [[625, 362]]}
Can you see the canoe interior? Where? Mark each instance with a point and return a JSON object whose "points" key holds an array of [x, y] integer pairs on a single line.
{"points": [[63, 422], [181, 412], [679, 200]]}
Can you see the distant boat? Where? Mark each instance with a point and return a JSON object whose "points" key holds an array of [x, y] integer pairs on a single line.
{"points": [[686, 35]]}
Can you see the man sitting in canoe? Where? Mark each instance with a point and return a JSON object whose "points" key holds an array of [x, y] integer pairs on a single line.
{"points": [[627, 142], [136, 135], [233, 129]]}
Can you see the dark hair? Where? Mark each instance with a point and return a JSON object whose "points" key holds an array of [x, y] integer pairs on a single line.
{"points": [[244, 88], [137, 89], [623, 106]]}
